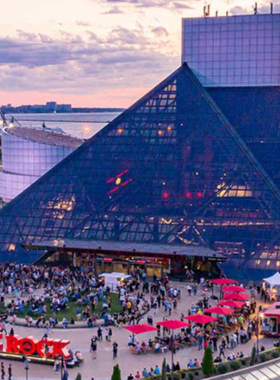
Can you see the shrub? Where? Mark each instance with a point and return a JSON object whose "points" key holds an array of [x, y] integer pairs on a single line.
{"points": [[79, 376], [116, 375], [253, 356], [196, 373], [207, 362], [222, 368], [264, 357], [191, 375], [275, 354], [243, 361], [183, 374], [177, 376], [235, 365]]}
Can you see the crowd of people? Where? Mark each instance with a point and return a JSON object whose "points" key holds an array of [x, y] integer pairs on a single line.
{"points": [[224, 337], [33, 292]]}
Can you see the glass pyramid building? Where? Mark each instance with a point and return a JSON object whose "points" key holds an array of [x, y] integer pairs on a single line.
{"points": [[169, 170]]}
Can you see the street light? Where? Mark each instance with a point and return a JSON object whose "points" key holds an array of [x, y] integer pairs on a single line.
{"points": [[258, 332], [172, 356], [26, 367]]}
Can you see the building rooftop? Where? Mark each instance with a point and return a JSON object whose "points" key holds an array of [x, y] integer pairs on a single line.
{"points": [[273, 310], [44, 136], [128, 247]]}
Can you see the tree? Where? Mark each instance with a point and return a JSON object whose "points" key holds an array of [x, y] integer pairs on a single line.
{"points": [[116, 373], [163, 370], [79, 376], [253, 356], [208, 363]]}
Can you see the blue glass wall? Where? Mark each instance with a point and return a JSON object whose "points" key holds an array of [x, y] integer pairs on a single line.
{"points": [[171, 169]]}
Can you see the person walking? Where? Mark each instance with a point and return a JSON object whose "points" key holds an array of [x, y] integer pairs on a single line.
{"points": [[3, 373], [115, 350], [3, 327], [107, 334], [93, 347], [56, 364], [10, 372], [214, 339], [99, 333], [200, 341], [222, 351], [110, 334], [189, 289]]}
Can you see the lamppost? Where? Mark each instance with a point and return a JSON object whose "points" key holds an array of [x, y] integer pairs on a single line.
{"points": [[258, 332], [26, 367], [61, 367], [172, 356]]}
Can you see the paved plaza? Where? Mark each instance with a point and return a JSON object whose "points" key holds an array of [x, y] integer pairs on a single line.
{"points": [[102, 367]]}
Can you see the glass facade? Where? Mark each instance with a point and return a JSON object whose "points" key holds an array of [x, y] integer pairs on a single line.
{"points": [[233, 51], [25, 160], [171, 170]]}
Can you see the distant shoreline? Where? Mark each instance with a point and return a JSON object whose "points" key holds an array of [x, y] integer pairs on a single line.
{"points": [[74, 110]]}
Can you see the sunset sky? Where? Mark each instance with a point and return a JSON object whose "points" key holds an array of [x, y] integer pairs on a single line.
{"points": [[98, 53]]}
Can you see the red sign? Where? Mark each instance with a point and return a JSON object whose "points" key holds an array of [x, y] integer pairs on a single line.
{"points": [[140, 261], [32, 346], [107, 259]]}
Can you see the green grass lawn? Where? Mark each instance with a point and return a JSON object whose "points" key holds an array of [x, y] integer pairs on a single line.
{"points": [[72, 307]]}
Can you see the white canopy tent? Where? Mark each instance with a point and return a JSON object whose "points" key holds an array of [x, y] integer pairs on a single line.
{"points": [[273, 280], [114, 279]]}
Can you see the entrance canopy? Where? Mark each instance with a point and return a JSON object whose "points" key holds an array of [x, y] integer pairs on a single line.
{"points": [[98, 246], [273, 280]]}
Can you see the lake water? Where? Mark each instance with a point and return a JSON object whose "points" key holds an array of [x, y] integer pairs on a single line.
{"points": [[82, 125]]}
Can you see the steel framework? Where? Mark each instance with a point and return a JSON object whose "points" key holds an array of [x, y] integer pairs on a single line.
{"points": [[171, 169]]}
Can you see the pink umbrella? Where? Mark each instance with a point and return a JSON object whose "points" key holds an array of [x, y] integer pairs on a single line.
{"points": [[201, 319], [230, 303], [173, 324], [219, 310], [140, 329], [235, 296], [233, 289], [223, 281]]}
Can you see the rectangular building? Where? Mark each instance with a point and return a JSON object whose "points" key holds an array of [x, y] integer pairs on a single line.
{"points": [[236, 51]]}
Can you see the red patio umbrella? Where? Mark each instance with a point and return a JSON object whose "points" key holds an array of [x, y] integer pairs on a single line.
{"points": [[235, 296], [229, 303], [233, 289], [223, 281], [219, 310], [173, 324], [140, 329], [201, 319]]}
